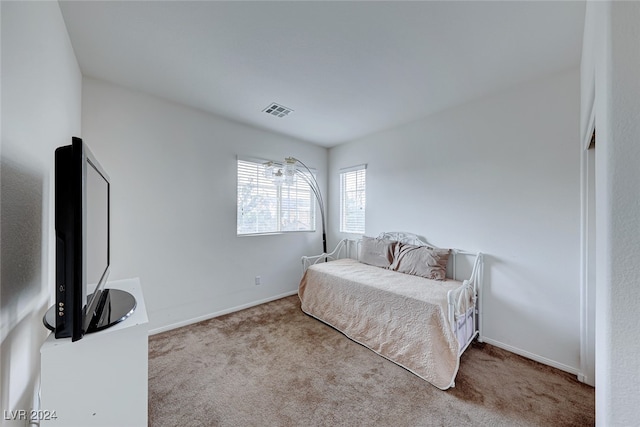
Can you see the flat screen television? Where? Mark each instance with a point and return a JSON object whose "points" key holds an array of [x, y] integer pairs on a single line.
{"points": [[82, 222], [82, 199]]}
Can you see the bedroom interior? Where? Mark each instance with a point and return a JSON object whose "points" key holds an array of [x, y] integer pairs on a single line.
{"points": [[473, 121]]}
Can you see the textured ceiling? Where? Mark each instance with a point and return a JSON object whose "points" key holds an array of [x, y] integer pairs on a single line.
{"points": [[347, 69]]}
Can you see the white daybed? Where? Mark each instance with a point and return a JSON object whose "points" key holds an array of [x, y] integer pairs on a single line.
{"points": [[419, 323]]}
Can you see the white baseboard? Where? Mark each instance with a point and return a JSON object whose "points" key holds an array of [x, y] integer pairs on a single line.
{"points": [[583, 378], [219, 313], [532, 356]]}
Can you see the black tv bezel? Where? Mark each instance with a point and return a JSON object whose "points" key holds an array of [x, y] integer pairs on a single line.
{"points": [[73, 313]]}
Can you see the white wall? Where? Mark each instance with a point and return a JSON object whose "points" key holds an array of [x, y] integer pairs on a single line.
{"points": [[616, 45], [41, 95], [173, 177], [499, 175]]}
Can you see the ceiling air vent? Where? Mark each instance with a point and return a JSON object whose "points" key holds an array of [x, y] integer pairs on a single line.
{"points": [[277, 110]]}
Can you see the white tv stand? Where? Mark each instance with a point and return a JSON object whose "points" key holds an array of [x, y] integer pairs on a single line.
{"points": [[100, 380]]}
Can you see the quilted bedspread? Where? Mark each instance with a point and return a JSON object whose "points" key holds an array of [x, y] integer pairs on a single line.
{"points": [[399, 316]]}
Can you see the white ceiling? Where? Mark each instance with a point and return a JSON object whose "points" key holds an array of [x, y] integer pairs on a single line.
{"points": [[347, 69]]}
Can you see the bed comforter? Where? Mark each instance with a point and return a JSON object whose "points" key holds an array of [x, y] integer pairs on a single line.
{"points": [[399, 316]]}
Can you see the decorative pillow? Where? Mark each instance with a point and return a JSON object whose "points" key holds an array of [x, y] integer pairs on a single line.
{"points": [[377, 252], [423, 261]]}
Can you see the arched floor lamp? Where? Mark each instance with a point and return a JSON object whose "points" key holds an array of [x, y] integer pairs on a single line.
{"points": [[285, 174]]}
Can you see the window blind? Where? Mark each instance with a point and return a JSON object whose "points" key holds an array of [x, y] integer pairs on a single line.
{"points": [[353, 199], [264, 207]]}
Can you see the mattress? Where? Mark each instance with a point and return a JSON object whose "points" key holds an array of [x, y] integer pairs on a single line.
{"points": [[399, 316]]}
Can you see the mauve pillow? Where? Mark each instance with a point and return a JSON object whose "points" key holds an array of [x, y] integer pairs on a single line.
{"points": [[376, 252], [423, 261]]}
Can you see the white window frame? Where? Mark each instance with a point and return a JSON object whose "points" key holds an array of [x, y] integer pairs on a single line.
{"points": [[353, 191], [254, 187]]}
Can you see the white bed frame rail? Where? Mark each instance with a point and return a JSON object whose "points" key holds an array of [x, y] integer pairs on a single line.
{"points": [[341, 251], [464, 302]]}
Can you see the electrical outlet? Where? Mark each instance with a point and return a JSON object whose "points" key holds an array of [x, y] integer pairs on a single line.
{"points": [[258, 281]]}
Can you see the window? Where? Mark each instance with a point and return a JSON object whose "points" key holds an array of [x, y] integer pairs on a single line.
{"points": [[352, 199], [264, 207]]}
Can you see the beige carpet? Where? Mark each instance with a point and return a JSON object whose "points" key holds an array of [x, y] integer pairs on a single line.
{"points": [[272, 365]]}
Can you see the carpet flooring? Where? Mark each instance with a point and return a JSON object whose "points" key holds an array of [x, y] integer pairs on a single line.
{"points": [[272, 365]]}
